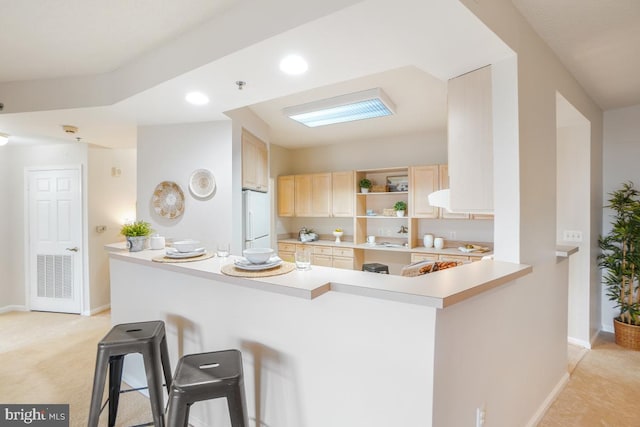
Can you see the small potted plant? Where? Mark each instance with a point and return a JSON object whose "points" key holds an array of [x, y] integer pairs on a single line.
{"points": [[136, 234], [400, 207], [620, 261], [365, 185]]}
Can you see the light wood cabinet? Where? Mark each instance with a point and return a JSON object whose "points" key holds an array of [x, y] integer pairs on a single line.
{"points": [[286, 251], [286, 195], [255, 163], [443, 178], [423, 180], [321, 195], [342, 193], [303, 201], [470, 142], [322, 260]]}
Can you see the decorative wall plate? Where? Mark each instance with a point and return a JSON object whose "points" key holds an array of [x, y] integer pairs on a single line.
{"points": [[168, 200], [202, 183]]}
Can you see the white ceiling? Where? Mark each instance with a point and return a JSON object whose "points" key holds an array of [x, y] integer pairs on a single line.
{"points": [[108, 67]]}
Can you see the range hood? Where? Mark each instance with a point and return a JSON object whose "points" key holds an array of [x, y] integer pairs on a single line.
{"points": [[440, 199]]}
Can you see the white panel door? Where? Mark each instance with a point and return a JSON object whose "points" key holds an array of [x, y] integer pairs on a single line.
{"points": [[55, 240]]}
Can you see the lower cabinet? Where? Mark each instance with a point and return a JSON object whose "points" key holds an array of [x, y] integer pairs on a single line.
{"points": [[326, 256], [416, 257]]}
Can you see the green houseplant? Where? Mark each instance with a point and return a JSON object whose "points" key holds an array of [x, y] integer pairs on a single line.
{"points": [[620, 262], [365, 185], [400, 207], [136, 234]]}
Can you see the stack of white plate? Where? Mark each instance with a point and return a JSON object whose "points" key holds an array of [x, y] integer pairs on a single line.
{"points": [[245, 264]]}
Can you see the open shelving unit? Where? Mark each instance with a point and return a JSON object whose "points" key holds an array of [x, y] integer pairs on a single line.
{"points": [[371, 206]]}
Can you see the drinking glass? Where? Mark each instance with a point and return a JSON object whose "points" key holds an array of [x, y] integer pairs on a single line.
{"points": [[222, 250], [303, 258]]}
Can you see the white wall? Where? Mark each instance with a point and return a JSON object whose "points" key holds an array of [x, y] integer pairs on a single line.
{"points": [[539, 75], [110, 198], [573, 214], [621, 164], [172, 153]]}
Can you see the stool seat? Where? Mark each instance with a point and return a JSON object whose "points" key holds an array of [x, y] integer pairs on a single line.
{"points": [[376, 267], [146, 338], [207, 376]]}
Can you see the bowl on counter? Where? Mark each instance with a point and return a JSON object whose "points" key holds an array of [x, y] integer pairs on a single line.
{"points": [[258, 255], [187, 245]]}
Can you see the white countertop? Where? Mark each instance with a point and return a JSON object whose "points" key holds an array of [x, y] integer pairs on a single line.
{"points": [[379, 247], [439, 289]]}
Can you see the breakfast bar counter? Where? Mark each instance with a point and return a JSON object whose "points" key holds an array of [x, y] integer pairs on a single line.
{"points": [[323, 347]]}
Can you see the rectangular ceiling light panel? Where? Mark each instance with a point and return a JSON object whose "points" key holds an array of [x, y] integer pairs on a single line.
{"points": [[345, 108]]}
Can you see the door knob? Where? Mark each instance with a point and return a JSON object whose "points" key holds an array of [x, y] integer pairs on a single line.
{"points": [[75, 249]]}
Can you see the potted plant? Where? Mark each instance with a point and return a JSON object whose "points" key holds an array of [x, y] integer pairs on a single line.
{"points": [[620, 261], [365, 185], [400, 207], [136, 234]]}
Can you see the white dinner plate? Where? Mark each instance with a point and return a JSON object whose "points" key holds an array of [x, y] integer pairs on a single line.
{"points": [[244, 264], [175, 254]]}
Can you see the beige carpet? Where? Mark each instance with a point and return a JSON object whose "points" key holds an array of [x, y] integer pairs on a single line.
{"points": [[603, 389], [50, 357]]}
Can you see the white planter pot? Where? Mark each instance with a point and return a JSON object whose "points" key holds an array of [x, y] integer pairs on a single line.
{"points": [[364, 190], [400, 213], [136, 243]]}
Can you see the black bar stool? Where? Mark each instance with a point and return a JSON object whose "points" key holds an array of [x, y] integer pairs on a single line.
{"points": [[375, 267], [207, 376], [146, 338]]}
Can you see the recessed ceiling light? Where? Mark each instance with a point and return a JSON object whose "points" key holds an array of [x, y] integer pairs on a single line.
{"points": [[4, 138], [197, 98], [293, 64]]}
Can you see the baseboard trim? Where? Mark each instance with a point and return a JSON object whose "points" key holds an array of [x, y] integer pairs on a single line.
{"points": [[537, 417], [607, 328], [580, 343], [96, 310], [8, 308]]}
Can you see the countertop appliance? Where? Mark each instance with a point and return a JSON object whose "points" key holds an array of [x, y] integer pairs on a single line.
{"points": [[255, 220]]}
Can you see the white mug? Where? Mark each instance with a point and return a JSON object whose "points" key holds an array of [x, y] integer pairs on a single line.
{"points": [[156, 242], [438, 243], [371, 239], [428, 240]]}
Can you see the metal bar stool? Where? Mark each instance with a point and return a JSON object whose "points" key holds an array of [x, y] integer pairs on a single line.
{"points": [[207, 376], [146, 338]]}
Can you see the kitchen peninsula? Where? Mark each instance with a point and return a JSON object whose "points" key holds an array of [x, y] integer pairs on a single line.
{"points": [[325, 346]]}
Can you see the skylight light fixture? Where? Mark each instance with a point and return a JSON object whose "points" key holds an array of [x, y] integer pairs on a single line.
{"points": [[362, 105]]}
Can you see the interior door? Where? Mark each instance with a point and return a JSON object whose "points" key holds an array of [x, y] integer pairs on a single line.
{"points": [[55, 240]]}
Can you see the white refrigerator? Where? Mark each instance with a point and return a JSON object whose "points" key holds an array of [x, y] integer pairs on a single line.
{"points": [[256, 221]]}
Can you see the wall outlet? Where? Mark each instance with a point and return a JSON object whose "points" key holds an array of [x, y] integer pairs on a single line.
{"points": [[572, 236], [480, 417]]}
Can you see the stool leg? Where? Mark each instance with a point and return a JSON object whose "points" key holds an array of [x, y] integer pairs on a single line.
{"points": [[237, 406], [178, 411], [115, 382], [154, 374], [166, 365], [99, 378]]}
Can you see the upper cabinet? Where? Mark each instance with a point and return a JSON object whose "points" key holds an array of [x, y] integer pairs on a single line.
{"points": [[343, 189], [255, 163], [444, 184], [423, 180], [286, 195], [470, 144], [313, 195]]}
